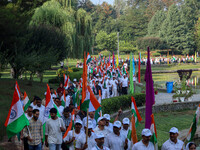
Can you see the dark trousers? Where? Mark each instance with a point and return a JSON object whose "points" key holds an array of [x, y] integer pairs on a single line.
{"points": [[124, 90], [64, 146], [26, 147]]}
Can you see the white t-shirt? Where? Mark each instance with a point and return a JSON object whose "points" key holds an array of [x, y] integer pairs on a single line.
{"points": [[140, 146], [41, 111], [67, 101], [97, 148], [105, 131], [124, 132], [110, 127], [69, 138], [113, 82], [27, 116], [82, 139], [115, 142], [124, 82], [53, 130], [94, 123], [169, 145], [34, 106], [60, 110]]}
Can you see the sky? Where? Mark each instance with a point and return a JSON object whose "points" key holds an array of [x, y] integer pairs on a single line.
{"points": [[101, 1]]}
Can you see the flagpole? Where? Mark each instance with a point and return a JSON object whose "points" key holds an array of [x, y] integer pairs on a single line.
{"points": [[187, 135], [87, 128]]}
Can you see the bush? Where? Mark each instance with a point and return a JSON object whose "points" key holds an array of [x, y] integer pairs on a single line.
{"points": [[156, 54], [112, 105], [76, 75], [77, 69], [106, 53]]}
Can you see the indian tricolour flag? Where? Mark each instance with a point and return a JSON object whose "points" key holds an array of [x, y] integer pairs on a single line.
{"points": [[49, 104], [26, 101], [154, 133], [63, 99], [98, 112], [193, 127], [135, 111], [88, 58], [66, 81], [16, 119], [90, 101], [71, 125]]}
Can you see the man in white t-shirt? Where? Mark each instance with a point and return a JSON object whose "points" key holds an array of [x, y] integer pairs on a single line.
{"points": [[40, 107], [90, 118], [125, 126], [53, 131], [173, 143], [115, 140], [109, 125], [124, 82], [81, 141], [101, 127], [145, 143], [114, 83], [29, 112], [99, 138], [59, 106], [73, 135]]}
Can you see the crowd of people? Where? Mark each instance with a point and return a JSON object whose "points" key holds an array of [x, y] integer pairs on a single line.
{"points": [[88, 133]]}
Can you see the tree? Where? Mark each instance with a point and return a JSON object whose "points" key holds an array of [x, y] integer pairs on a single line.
{"points": [[154, 26], [106, 41], [173, 29]]}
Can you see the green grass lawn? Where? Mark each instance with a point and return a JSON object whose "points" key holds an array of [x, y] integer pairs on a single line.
{"points": [[6, 95]]}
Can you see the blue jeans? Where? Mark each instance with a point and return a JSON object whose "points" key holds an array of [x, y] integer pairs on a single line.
{"points": [[54, 146], [35, 147]]}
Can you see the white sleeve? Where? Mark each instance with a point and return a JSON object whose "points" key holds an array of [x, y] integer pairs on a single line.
{"points": [[47, 128], [69, 135]]}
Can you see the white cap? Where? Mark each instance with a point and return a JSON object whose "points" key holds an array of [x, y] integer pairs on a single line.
{"points": [[117, 124], [97, 75], [106, 116], [146, 132], [74, 80], [173, 130], [125, 121], [99, 135], [100, 118], [78, 121], [90, 126]]}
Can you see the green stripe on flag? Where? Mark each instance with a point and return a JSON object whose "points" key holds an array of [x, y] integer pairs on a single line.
{"points": [[16, 126], [26, 106], [85, 105]]}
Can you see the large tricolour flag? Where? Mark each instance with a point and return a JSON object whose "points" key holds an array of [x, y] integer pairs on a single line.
{"points": [[90, 101], [16, 119], [135, 111], [193, 127], [154, 133], [88, 58], [66, 81], [26, 101]]}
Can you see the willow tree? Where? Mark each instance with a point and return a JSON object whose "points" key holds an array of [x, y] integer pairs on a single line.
{"points": [[76, 25], [83, 38]]}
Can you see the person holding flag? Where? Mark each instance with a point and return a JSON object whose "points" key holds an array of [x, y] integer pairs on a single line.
{"points": [[145, 143], [173, 142], [101, 127], [81, 143], [73, 135]]}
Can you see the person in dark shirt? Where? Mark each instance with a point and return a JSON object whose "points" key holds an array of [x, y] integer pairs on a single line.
{"points": [[61, 89]]}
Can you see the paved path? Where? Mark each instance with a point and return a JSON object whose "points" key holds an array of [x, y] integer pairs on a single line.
{"points": [[166, 98]]}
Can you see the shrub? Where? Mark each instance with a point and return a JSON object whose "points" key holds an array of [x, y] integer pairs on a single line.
{"points": [[106, 53], [77, 69], [112, 105], [76, 75]]}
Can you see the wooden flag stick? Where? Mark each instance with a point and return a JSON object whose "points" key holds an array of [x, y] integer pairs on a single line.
{"points": [[187, 135], [87, 128]]}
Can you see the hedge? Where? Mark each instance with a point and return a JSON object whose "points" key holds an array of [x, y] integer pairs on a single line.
{"points": [[113, 104]]}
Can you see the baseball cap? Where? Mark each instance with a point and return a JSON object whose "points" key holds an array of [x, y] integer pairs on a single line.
{"points": [[90, 126], [78, 121], [99, 135], [106, 116], [117, 124], [100, 118], [125, 121], [75, 80], [146, 132], [173, 130]]}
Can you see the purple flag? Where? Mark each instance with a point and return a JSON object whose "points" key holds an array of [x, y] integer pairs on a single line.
{"points": [[150, 99]]}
